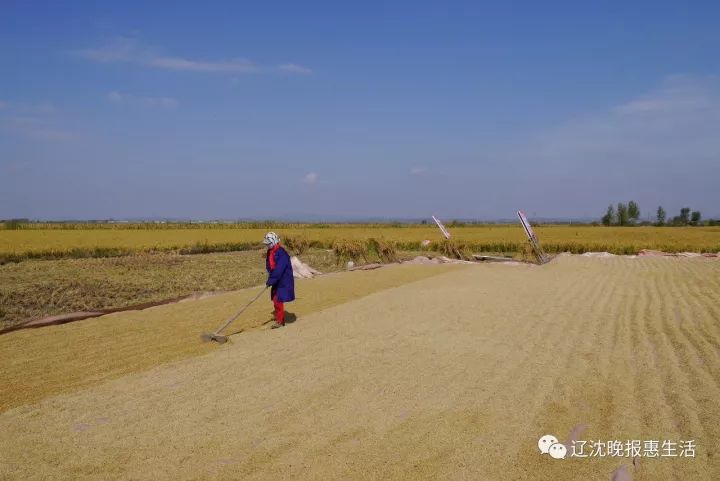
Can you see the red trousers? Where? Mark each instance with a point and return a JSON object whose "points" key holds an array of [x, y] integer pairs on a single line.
{"points": [[279, 310]]}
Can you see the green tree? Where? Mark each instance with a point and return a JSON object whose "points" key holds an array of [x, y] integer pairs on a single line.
{"points": [[661, 215], [695, 217], [609, 216], [622, 214], [685, 215], [15, 224], [633, 211]]}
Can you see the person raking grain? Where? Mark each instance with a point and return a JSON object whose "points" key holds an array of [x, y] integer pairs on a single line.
{"points": [[280, 277]]}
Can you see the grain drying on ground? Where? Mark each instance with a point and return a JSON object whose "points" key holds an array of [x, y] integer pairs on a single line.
{"points": [[49, 360], [454, 376]]}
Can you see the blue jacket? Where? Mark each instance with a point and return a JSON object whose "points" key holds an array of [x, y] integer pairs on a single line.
{"points": [[281, 277]]}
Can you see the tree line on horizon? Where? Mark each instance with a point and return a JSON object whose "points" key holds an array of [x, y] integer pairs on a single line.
{"points": [[628, 215]]}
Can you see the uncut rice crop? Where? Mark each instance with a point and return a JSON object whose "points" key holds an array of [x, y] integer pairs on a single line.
{"points": [[16, 245]]}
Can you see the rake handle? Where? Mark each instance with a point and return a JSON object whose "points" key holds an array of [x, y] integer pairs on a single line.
{"points": [[241, 311]]}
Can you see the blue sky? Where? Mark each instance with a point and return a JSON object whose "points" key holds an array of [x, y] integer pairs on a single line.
{"points": [[387, 109]]}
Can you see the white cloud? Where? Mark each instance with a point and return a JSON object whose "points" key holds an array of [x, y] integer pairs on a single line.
{"points": [[678, 94], [37, 129], [123, 98], [678, 120], [130, 50], [661, 147], [28, 108], [418, 170], [34, 120], [295, 69], [178, 63], [310, 179], [120, 50]]}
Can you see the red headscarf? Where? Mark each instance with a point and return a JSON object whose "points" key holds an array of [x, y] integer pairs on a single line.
{"points": [[271, 255]]}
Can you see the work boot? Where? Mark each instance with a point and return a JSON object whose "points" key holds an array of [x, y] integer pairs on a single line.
{"points": [[277, 324]]}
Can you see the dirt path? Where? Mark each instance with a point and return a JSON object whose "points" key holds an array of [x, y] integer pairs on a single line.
{"points": [[452, 377]]}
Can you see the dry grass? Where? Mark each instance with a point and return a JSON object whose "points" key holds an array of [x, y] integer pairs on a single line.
{"points": [[451, 377], [297, 245], [350, 250], [452, 249], [383, 249]]}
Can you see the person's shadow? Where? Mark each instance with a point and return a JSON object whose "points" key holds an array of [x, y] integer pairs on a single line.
{"points": [[289, 319]]}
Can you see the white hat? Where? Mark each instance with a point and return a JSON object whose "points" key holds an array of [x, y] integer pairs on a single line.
{"points": [[271, 239]]}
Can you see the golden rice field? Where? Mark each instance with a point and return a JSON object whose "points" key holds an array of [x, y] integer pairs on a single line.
{"points": [[100, 242], [409, 372]]}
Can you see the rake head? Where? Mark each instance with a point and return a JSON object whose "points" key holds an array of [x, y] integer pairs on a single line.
{"points": [[207, 337]]}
